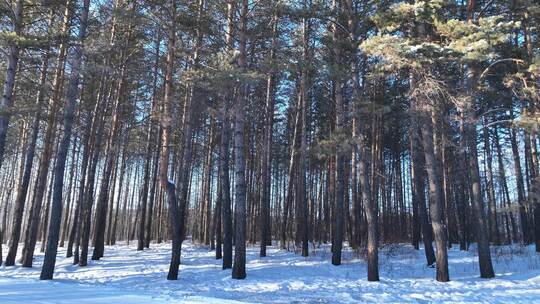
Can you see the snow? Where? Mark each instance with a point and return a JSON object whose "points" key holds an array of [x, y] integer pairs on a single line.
{"points": [[127, 276]]}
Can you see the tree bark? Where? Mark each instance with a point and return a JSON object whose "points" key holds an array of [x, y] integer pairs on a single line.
{"points": [[239, 265], [11, 72], [41, 181], [29, 160], [224, 154], [145, 225], [266, 159], [69, 116], [428, 121], [470, 137], [337, 241], [418, 191], [166, 118]]}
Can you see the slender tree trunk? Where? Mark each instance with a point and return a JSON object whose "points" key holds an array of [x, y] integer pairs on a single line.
{"points": [[41, 181], [154, 181], [428, 121], [69, 117], [224, 155], [29, 161], [303, 157], [145, 225], [239, 265], [419, 191], [293, 163], [267, 150], [503, 182], [11, 71], [166, 119], [492, 204], [370, 206], [470, 137], [337, 241], [74, 236], [520, 187], [111, 153], [217, 212]]}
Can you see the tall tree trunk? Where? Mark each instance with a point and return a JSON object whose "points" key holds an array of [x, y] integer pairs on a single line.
{"points": [[224, 153], [418, 189], [11, 71], [74, 236], [166, 119], [303, 157], [470, 137], [226, 212], [293, 163], [48, 142], [145, 225], [492, 204], [205, 190], [239, 265], [97, 136], [151, 199], [218, 209], [504, 183], [73, 174], [436, 198], [266, 159], [535, 190], [428, 120], [29, 160], [69, 117], [111, 151], [337, 241], [520, 187]]}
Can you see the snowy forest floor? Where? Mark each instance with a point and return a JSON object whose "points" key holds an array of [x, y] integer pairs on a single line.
{"points": [[127, 276]]}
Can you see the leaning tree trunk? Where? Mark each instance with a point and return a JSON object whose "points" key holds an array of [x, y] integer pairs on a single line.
{"points": [[436, 200], [74, 172], [436, 195], [470, 137], [86, 207], [75, 228], [418, 191], [293, 163], [112, 152], [29, 160], [69, 116], [11, 71], [48, 143]]}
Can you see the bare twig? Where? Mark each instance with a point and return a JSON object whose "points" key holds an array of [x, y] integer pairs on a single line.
{"points": [[484, 73], [484, 9], [498, 122]]}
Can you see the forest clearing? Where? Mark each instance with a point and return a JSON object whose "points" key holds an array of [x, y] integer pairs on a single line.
{"points": [[130, 276]]}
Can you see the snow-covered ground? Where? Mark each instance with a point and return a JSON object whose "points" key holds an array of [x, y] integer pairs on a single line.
{"points": [[127, 276]]}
